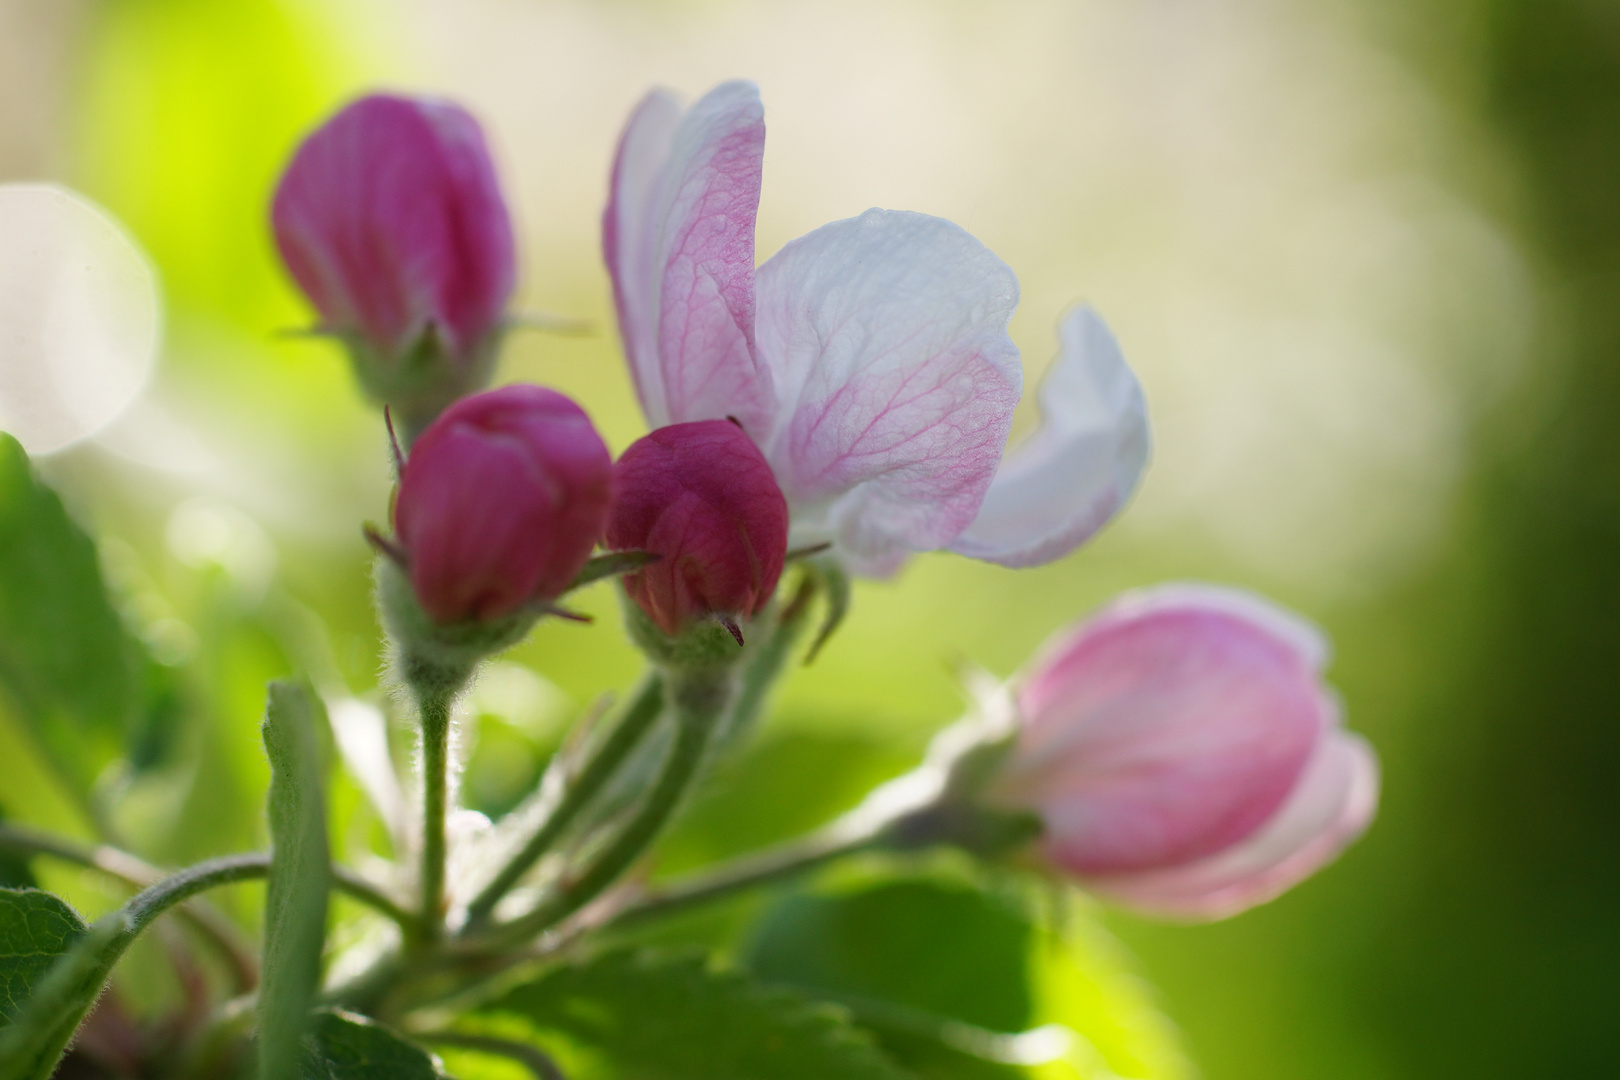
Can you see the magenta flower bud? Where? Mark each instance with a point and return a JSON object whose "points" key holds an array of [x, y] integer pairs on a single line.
{"points": [[1184, 756], [391, 220], [702, 498], [500, 503]]}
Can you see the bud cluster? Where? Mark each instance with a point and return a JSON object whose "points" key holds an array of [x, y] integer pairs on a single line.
{"points": [[1178, 752]]}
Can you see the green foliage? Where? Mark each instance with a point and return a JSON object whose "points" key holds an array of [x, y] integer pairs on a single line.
{"points": [[75, 677], [946, 949], [59, 999], [35, 929], [295, 899], [346, 1046], [961, 984], [655, 1016]]}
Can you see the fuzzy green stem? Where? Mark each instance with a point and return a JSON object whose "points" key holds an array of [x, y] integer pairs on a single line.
{"points": [[435, 709], [699, 699], [750, 871], [638, 719], [204, 917], [761, 670]]}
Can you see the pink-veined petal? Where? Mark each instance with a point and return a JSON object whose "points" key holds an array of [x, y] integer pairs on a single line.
{"points": [[1073, 474], [1166, 729], [886, 340], [678, 236], [1332, 805]]}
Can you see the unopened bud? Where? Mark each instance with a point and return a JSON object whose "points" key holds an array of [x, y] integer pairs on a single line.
{"points": [[1184, 756], [500, 503], [701, 497], [390, 218]]}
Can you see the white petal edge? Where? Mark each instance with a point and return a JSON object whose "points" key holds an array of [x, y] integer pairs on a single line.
{"points": [[629, 240], [1333, 804], [1299, 633], [886, 339], [678, 235], [1067, 480]]}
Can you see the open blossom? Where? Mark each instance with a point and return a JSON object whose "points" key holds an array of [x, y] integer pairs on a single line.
{"points": [[701, 497], [390, 218], [1184, 756], [501, 502], [869, 359]]}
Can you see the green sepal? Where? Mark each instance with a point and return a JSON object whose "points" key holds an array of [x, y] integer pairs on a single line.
{"points": [[705, 645], [613, 564], [433, 658], [424, 378], [833, 580]]}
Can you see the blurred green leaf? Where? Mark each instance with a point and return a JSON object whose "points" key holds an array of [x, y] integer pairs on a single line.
{"points": [[946, 949], [344, 1046], [43, 1023], [961, 984], [921, 962], [35, 929], [15, 872], [65, 660], [651, 1016], [295, 899]]}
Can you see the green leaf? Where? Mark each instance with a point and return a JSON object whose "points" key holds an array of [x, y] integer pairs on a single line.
{"points": [[940, 971], [650, 1016], [35, 929], [947, 949], [44, 1024], [296, 896], [66, 663], [346, 1046], [960, 984]]}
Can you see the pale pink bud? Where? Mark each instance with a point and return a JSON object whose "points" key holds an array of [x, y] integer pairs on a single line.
{"points": [[500, 503], [701, 497], [391, 220], [1184, 756]]}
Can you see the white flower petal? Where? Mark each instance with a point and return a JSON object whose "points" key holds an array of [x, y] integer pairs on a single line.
{"points": [[886, 340], [1073, 474], [678, 235]]}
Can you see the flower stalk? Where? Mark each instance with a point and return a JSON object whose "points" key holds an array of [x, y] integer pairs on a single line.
{"points": [[643, 711]]}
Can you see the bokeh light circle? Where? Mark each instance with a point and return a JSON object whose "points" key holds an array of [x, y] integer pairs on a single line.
{"points": [[79, 317]]}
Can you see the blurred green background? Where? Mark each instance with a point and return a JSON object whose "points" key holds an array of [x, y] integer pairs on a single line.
{"points": [[1365, 256]]}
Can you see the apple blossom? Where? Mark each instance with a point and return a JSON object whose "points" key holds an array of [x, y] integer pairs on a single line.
{"points": [[500, 503], [390, 218], [700, 497], [869, 359], [1183, 755]]}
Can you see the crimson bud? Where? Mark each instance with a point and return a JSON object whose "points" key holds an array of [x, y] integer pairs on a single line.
{"points": [[391, 220], [500, 503], [701, 497]]}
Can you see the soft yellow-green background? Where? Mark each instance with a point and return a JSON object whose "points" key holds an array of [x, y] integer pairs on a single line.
{"points": [[1360, 253]]}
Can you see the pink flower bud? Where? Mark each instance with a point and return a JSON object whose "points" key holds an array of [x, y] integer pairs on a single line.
{"points": [[500, 503], [391, 220], [1184, 755], [702, 498]]}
